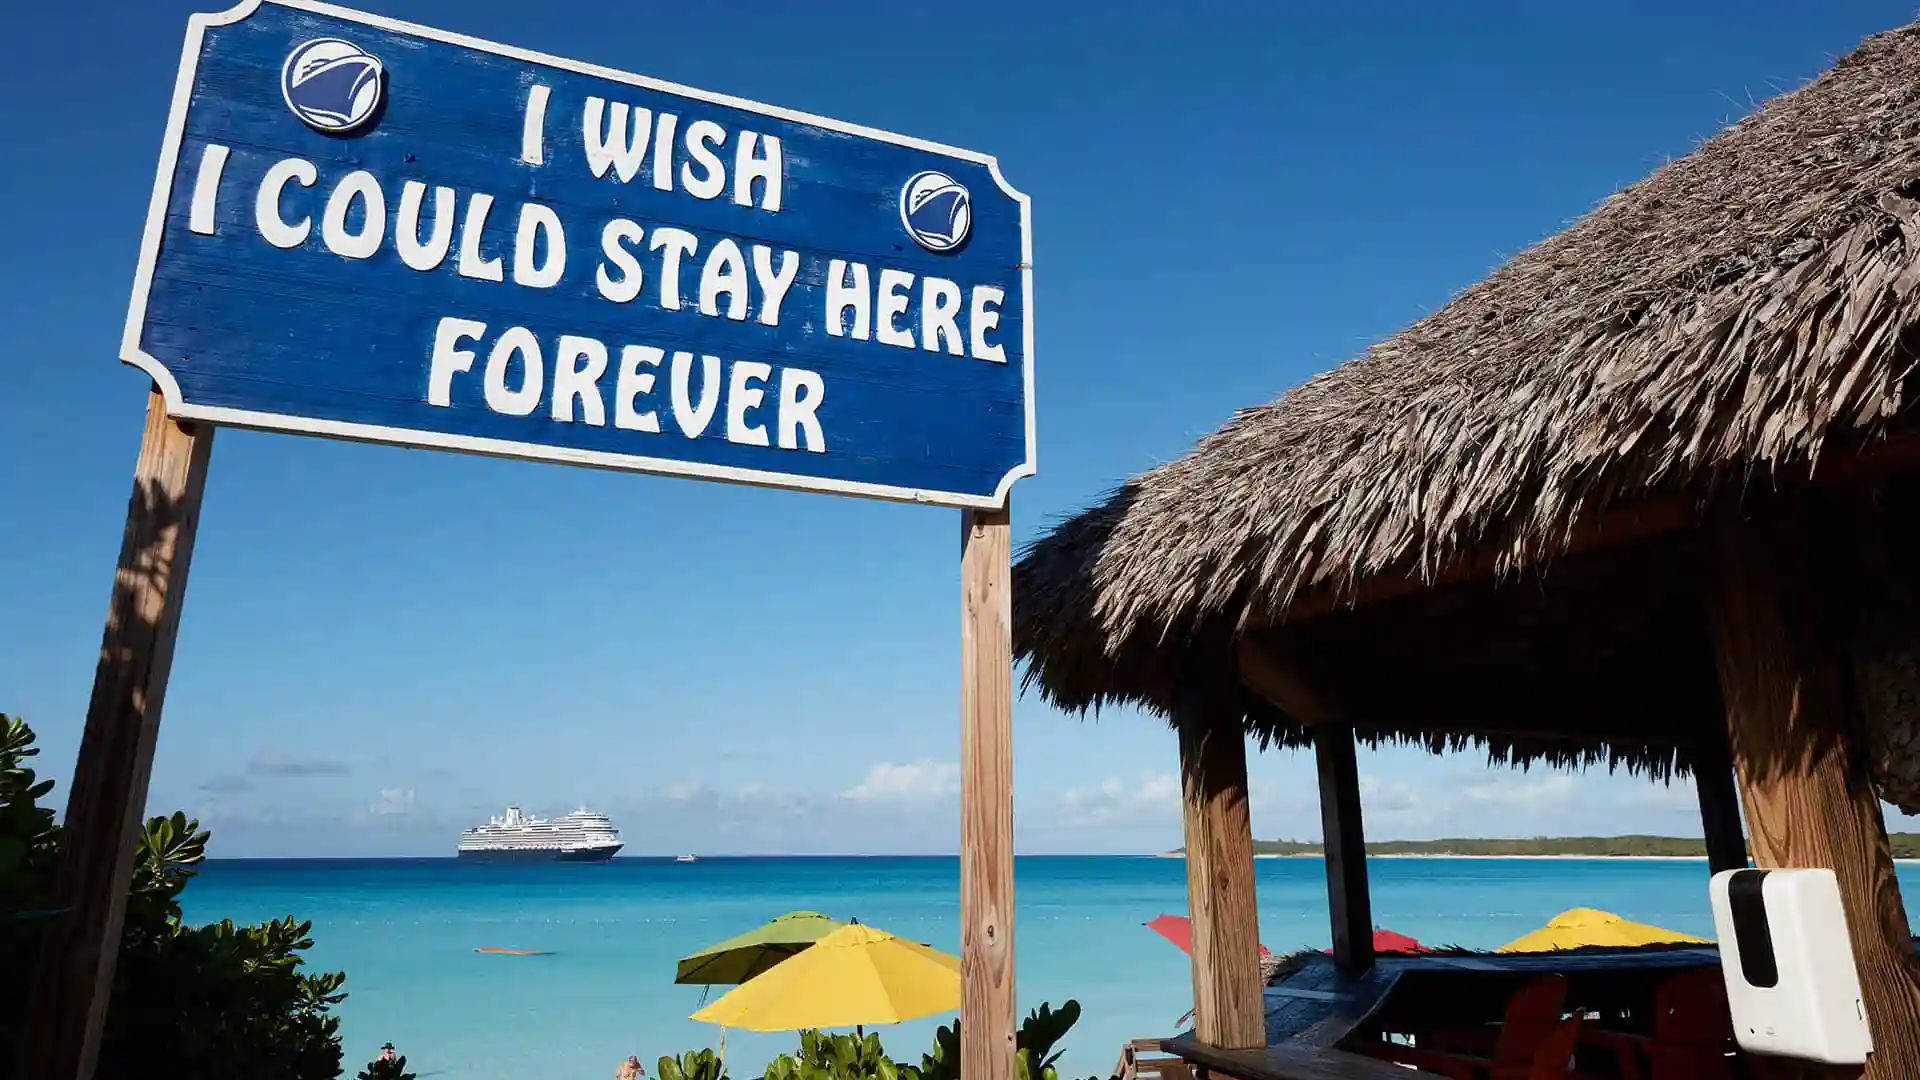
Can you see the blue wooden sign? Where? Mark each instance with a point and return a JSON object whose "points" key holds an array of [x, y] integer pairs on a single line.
{"points": [[372, 230]]}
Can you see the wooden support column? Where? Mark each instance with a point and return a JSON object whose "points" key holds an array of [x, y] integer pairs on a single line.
{"points": [[986, 796], [1276, 670], [68, 1004], [1349, 904], [1719, 803], [1793, 717], [1228, 1010]]}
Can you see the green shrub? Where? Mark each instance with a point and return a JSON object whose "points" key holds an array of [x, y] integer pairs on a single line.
{"points": [[1035, 1057], [693, 1065], [823, 1056], [188, 1001]]}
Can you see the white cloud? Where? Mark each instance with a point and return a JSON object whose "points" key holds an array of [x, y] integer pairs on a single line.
{"points": [[913, 782], [683, 791], [1153, 799], [1506, 788], [393, 801]]}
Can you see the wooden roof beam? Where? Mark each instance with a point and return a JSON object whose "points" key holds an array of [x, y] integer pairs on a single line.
{"points": [[1273, 677]]}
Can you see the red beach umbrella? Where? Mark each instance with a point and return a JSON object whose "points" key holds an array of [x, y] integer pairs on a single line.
{"points": [[1179, 930], [1390, 941]]}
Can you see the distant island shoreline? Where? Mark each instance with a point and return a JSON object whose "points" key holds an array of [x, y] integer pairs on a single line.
{"points": [[1904, 845]]}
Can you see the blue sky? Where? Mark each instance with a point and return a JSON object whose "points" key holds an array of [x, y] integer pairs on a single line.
{"points": [[381, 646]]}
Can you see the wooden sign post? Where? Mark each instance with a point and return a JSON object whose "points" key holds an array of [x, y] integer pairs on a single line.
{"points": [[68, 1005], [366, 229], [986, 795]]}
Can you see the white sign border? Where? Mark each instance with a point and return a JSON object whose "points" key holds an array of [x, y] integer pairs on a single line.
{"points": [[131, 352]]}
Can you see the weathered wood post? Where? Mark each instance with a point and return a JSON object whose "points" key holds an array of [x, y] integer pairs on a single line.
{"points": [[68, 1005], [986, 795], [1349, 903], [1273, 670], [1803, 777], [1227, 1004], [1719, 797]]}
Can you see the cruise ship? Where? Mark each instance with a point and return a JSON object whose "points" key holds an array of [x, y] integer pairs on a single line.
{"points": [[581, 836]]}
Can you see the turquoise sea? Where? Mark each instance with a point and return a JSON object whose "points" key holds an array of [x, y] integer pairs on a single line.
{"points": [[404, 931]]}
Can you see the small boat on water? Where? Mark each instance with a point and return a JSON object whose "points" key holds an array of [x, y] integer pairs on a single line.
{"points": [[685, 858]]}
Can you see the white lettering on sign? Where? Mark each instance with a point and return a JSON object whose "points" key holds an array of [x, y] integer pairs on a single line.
{"points": [[449, 359], [773, 283], [893, 304], [673, 243], [758, 158], [616, 137], [355, 187], [939, 306], [622, 284], [266, 208], [703, 177], [746, 386], [514, 383], [206, 189], [725, 272], [539, 233], [630, 387], [472, 264], [861, 302], [801, 392], [533, 126], [693, 418], [574, 383], [430, 253], [844, 295], [515, 343], [984, 317], [633, 384]]}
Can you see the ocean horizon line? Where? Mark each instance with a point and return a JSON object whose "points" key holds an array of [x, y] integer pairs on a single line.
{"points": [[935, 856], [676, 857]]}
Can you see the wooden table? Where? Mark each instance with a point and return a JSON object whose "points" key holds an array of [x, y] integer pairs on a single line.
{"points": [[1288, 1063]]}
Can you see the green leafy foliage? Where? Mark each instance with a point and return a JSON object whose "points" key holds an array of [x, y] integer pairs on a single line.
{"points": [[393, 1068], [944, 1062], [693, 1065], [1034, 1055], [27, 831], [824, 1056], [188, 1001], [1039, 1033]]}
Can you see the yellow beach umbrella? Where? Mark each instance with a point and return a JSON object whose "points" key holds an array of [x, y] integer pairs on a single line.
{"points": [[1585, 927], [853, 976]]}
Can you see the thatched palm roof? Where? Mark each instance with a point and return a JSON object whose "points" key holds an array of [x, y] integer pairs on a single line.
{"points": [[1739, 312]]}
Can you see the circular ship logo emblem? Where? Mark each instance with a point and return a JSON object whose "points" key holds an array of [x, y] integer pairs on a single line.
{"points": [[936, 210], [332, 85]]}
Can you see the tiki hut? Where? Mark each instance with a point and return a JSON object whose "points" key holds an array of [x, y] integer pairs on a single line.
{"points": [[1648, 496]]}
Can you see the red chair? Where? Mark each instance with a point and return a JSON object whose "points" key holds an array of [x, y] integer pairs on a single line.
{"points": [[1692, 1028], [1533, 1043], [1692, 1033]]}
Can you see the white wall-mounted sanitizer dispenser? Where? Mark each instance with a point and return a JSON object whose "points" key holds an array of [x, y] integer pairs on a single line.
{"points": [[1791, 983]]}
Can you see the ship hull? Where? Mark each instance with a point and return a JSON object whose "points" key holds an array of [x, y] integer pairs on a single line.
{"points": [[583, 855]]}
